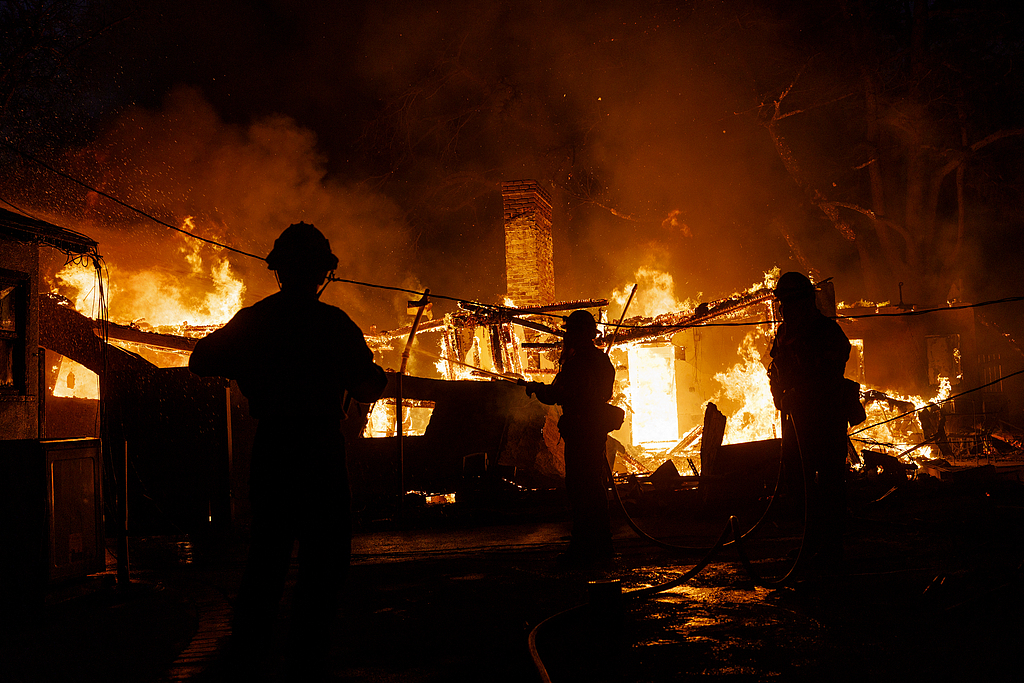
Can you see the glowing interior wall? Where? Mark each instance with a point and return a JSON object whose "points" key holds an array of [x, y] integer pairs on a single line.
{"points": [[381, 422], [652, 391], [74, 380]]}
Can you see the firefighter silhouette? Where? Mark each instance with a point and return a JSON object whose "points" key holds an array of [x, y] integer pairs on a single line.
{"points": [[294, 358], [809, 355], [582, 387]]}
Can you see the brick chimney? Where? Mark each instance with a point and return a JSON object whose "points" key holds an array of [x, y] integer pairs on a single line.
{"points": [[529, 268]]}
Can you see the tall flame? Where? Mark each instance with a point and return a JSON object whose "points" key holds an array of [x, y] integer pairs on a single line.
{"points": [[655, 294], [747, 383], [156, 298], [84, 282]]}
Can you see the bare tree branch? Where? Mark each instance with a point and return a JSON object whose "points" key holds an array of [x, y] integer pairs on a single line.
{"points": [[817, 105], [589, 199], [961, 157]]}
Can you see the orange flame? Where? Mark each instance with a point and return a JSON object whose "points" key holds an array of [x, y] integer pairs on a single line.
{"points": [[155, 298], [747, 383]]}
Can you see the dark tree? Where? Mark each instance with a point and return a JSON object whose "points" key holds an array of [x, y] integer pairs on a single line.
{"points": [[897, 120]]}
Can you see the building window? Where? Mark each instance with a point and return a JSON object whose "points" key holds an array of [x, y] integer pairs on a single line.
{"points": [[943, 359], [381, 421], [855, 364], [13, 300]]}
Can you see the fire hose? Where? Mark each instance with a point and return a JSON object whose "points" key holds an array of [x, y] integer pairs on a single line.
{"points": [[733, 525], [669, 546], [632, 523], [732, 528], [681, 548]]}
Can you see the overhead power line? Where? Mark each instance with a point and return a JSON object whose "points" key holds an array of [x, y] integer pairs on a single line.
{"points": [[740, 324], [332, 278], [938, 401], [126, 205]]}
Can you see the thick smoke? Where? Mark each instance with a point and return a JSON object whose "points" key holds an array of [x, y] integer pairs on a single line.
{"points": [[233, 184], [391, 125], [628, 122]]}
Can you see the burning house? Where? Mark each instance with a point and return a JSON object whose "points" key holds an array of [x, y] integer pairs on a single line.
{"points": [[512, 434], [677, 367], [690, 376], [656, 379]]}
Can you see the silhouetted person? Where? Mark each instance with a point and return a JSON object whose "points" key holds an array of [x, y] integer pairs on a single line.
{"points": [[294, 358], [582, 387], [809, 357]]}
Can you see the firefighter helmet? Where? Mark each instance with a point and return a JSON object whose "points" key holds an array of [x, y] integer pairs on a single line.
{"points": [[581, 323], [792, 286], [302, 245]]}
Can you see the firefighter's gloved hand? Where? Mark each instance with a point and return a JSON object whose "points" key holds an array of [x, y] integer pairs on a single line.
{"points": [[531, 388]]}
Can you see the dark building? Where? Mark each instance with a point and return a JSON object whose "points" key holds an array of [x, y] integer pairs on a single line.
{"points": [[50, 488]]}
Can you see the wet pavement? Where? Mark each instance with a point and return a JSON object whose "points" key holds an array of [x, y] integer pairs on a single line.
{"points": [[931, 589]]}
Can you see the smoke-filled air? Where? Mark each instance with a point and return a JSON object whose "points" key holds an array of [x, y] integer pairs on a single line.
{"points": [[709, 142]]}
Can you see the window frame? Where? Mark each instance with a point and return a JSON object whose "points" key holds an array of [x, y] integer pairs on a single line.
{"points": [[16, 339]]}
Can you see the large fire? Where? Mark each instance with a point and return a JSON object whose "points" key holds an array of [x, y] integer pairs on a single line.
{"points": [[656, 398], [746, 383], [664, 419], [666, 410], [150, 298], [654, 296]]}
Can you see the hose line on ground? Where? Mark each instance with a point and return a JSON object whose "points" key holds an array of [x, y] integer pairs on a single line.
{"points": [[634, 594], [801, 556], [731, 528], [691, 549]]}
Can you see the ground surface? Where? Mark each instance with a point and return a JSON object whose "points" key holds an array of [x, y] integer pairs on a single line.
{"points": [[931, 590]]}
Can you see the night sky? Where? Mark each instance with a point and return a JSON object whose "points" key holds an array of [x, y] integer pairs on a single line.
{"points": [[391, 124]]}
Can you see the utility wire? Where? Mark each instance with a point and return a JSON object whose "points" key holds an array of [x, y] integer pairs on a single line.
{"points": [[751, 323], [941, 400], [126, 205], [933, 310], [18, 209], [332, 278], [665, 328]]}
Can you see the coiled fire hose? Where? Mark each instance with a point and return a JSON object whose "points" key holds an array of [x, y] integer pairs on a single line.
{"points": [[732, 528], [733, 524]]}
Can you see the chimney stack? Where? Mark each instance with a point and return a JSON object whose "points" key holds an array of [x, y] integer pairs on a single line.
{"points": [[528, 252]]}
